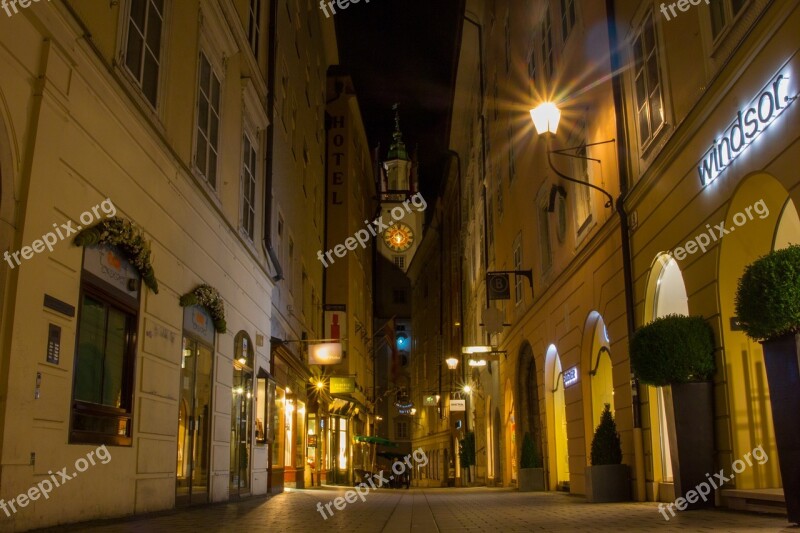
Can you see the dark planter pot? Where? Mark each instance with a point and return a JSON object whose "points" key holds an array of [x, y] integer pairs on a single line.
{"points": [[531, 479], [690, 420], [783, 376], [608, 483]]}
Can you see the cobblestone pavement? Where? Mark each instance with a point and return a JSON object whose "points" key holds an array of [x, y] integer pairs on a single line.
{"points": [[436, 510]]}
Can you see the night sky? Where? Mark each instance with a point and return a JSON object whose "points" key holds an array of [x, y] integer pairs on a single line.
{"points": [[404, 51]]}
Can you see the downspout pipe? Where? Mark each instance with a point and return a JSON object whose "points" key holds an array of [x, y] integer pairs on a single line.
{"points": [[627, 262], [270, 149]]}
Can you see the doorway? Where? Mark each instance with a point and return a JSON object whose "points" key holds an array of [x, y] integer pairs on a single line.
{"points": [[194, 424], [241, 415]]}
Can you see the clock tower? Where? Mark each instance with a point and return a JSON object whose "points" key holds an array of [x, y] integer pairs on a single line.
{"points": [[397, 188]]}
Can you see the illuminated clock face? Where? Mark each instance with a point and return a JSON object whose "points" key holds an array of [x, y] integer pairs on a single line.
{"points": [[399, 237]]}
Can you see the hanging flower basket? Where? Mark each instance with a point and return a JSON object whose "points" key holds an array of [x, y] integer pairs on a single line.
{"points": [[130, 240], [208, 297]]}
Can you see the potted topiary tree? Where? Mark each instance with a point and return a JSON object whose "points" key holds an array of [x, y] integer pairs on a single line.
{"points": [[677, 352], [531, 473], [607, 480], [768, 308]]}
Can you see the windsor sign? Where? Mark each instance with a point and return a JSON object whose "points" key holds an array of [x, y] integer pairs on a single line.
{"points": [[762, 110]]}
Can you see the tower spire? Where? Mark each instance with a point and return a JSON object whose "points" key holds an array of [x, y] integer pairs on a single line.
{"points": [[397, 150]]}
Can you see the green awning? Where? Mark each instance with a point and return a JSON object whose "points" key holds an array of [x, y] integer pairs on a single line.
{"points": [[375, 440]]}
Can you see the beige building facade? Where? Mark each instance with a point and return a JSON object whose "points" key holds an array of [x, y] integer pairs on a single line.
{"points": [[157, 110]]}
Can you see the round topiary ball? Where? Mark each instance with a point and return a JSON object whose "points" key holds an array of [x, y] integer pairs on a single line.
{"points": [[768, 295], [673, 349]]}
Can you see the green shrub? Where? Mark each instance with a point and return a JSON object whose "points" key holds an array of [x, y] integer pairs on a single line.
{"points": [[606, 446], [768, 295], [530, 457], [673, 349]]}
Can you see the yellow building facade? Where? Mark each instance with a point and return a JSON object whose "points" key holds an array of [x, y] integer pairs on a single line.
{"points": [[717, 163]]}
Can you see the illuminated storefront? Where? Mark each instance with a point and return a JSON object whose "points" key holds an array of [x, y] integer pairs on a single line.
{"points": [[733, 189], [288, 461]]}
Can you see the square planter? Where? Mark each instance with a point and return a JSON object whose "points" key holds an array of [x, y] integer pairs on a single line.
{"points": [[690, 422], [782, 362], [608, 483], [531, 479]]}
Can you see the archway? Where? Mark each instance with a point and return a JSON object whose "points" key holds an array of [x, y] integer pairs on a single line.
{"points": [[600, 369], [666, 295], [510, 423], [558, 458], [764, 218], [528, 404]]}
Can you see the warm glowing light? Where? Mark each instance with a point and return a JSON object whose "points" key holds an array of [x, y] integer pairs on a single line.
{"points": [[452, 363], [477, 362], [288, 390], [242, 360], [320, 385], [546, 117], [414, 411], [467, 389], [476, 349], [325, 353]]}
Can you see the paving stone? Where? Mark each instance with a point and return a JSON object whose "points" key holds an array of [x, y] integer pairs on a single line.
{"points": [[435, 510]]}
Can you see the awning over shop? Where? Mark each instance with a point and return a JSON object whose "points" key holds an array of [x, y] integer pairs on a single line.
{"points": [[345, 406], [371, 439]]}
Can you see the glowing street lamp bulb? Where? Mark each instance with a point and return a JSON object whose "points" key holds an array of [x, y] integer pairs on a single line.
{"points": [[452, 363], [467, 389], [320, 385], [546, 117]]}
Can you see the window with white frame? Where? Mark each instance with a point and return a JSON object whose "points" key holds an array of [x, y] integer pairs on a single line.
{"points": [[544, 237], [518, 266], [401, 431], [547, 43], [143, 45], [567, 18], [532, 61], [647, 81], [254, 26], [582, 203], [208, 118], [722, 13], [249, 158]]}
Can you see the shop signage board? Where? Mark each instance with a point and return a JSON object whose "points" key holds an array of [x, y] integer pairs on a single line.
{"points": [[458, 405], [770, 102], [342, 385], [570, 376], [325, 353]]}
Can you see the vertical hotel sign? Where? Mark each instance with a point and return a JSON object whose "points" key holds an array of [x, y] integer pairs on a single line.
{"points": [[336, 160], [770, 102]]}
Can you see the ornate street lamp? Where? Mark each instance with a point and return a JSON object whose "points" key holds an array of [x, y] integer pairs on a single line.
{"points": [[546, 117], [452, 363]]}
